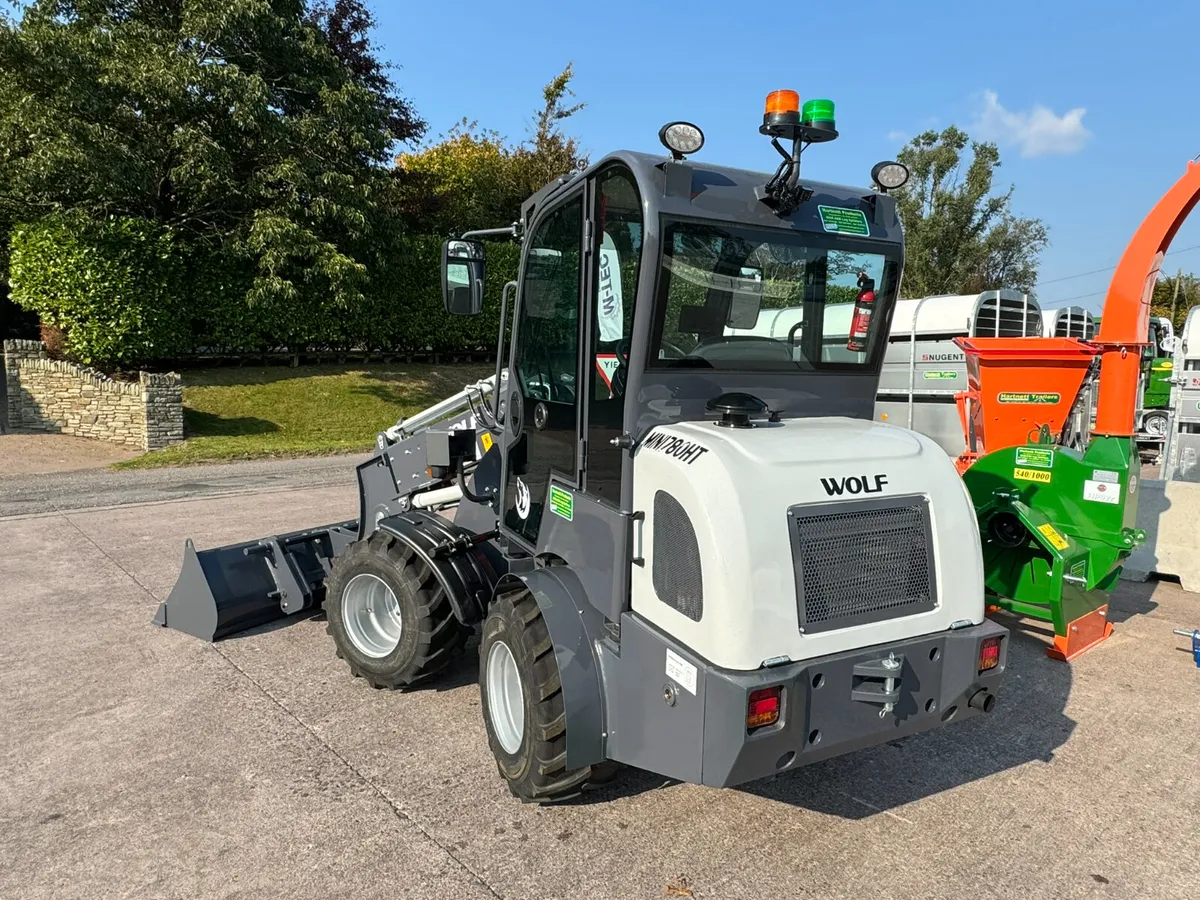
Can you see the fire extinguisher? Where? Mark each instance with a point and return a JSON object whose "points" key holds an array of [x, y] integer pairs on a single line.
{"points": [[860, 327]]}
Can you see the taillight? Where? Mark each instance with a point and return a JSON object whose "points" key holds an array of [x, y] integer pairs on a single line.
{"points": [[989, 653], [763, 707]]}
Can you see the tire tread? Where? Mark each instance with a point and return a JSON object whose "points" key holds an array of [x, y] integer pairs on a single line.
{"points": [[441, 636]]}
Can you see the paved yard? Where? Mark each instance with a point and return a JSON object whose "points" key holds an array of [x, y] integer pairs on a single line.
{"points": [[139, 762], [27, 453]]}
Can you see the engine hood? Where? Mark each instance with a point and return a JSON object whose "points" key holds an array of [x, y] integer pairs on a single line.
{"points": [[740, 488], [798, 441]]}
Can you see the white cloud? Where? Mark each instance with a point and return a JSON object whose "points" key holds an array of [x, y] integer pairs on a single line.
{"points": [[1038, 131], [897, 137]]}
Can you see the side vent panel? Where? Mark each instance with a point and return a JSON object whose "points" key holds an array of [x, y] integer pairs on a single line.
{"points": [[676, 565]]}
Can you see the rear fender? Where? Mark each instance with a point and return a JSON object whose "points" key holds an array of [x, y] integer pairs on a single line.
{"points": [[575, 626], [464, 571]]}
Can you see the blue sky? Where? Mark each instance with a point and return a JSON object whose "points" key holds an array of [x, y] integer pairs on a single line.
{"points": [[1095, 106]]}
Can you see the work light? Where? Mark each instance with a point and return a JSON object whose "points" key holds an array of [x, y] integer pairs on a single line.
{"points": [[889, 175], [681, 138]]}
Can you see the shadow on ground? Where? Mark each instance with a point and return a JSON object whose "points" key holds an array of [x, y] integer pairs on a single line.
{"points": [[1029, 724], [419, 386], [209, 424], [1134, 599]]}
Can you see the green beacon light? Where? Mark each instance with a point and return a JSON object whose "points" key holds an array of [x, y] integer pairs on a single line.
{"points": [[818, 115]]}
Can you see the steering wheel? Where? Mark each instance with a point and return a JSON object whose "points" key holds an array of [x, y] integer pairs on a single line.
{"points": [[670, 351]]}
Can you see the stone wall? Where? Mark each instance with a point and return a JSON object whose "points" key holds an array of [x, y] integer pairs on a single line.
{"points": [[50, 395]]}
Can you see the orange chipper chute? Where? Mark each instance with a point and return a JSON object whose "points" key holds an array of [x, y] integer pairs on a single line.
{"points": [[1126, 317]]}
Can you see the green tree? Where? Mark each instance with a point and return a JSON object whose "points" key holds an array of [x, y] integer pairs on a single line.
{"points": [[259, 126], [961, 236], [474, 178], [1165, 295]]}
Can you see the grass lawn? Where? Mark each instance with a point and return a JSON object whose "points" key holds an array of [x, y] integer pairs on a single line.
{"points": [[252, 413]]}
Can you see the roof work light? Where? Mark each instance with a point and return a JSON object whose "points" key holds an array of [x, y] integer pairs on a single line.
{"points": [[681, 138], [889, 175]]}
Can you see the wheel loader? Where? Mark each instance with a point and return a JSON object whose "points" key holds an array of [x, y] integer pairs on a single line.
{"points": [[683, 547]]}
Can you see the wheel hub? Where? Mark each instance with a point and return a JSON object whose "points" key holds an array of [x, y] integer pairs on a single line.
{"points": [[505, 698], [371, 615]]}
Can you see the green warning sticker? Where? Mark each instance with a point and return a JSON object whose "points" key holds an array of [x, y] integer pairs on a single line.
{"points": [[1036, 457], [939, 376], [1014, 397], [844, 221], [562, 503]]}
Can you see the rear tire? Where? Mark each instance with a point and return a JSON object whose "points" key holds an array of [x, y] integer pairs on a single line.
{"points": [[522, 700], [390, 619]]}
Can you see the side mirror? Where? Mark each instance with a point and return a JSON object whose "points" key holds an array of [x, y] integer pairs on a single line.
{"points": [[1167, 344], [462, 277]]}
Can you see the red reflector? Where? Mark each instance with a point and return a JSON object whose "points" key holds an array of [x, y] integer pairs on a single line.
{"points": [[989, 654], [763, 708]]}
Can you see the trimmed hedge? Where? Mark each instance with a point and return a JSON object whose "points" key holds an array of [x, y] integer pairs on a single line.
{"points": [[127, 292], [111, 286]]}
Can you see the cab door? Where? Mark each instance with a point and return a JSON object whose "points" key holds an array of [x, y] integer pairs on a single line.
{"points": [[542, 426]]}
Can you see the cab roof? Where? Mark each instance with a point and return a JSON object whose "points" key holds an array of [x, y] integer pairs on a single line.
{"points": [[695, 188]]}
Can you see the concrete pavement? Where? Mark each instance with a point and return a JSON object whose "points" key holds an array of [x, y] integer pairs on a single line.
{"points": [[22, 494], [139, 762]]}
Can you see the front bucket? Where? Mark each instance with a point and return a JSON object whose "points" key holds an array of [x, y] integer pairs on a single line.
{"points": [[230, 589]]}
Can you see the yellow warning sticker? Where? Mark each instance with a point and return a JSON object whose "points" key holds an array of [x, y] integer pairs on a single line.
{"points": [[1042, 476], [1057, 541], [485, 440]]}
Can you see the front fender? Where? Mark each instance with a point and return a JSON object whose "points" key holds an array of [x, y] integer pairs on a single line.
{"points": [[466, 575]]}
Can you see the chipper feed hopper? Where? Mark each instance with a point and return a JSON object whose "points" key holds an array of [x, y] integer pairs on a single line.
{"points": [[685, 548], [1057, 522]]}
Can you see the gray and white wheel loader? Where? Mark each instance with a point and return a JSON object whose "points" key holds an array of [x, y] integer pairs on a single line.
{"points": [[686, 546]]}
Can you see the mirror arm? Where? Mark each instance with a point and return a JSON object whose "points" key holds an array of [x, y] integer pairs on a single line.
{"points": [[509, 232]]}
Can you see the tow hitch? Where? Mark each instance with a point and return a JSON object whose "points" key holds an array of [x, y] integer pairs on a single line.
{"points": [[878, 681]]}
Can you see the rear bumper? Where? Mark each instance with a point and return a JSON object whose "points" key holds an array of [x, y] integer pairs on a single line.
{"points": [[824, 712], [691, 725]]}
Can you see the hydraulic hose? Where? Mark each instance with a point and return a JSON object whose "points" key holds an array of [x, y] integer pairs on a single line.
{"points": [[466, 491]]}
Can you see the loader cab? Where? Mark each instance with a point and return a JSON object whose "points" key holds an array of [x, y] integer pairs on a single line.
{"points": [[649, 287]]}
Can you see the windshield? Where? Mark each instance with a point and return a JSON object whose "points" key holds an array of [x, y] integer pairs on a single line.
{"points": [[745, 299]]}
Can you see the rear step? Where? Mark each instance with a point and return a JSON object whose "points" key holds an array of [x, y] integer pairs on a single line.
{"points": [[230, 589]]}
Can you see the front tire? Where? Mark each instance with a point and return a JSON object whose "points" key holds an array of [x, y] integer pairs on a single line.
{"points": [[522, 699], [390, 619]]}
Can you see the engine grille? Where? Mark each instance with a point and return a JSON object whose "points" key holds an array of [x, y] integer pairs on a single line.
{"points": [[862, 561], [676, 570]]}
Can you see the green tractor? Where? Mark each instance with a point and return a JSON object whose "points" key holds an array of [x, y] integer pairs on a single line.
{"points": [[1157, 369]]}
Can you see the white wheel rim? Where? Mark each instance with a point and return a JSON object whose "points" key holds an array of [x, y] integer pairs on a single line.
{"points": [[1156, 425], [505, 699], [371, 615]]}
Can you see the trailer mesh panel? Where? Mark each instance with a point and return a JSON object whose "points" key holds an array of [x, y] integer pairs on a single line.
{"points": [[862, 562], [676, 570]]}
